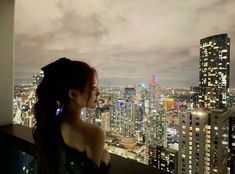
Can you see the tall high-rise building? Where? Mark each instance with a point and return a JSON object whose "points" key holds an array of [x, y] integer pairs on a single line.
{"points": [[105, 121], [122, 117], [163, 158], [214, 71], [231, 137], [203, 141], [139, 121], [154, 115], [155, 128]]}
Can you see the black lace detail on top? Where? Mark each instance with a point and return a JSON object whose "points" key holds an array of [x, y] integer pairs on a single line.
{"points": [[76, 162]]}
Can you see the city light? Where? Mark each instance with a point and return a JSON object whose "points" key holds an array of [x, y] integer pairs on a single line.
{"points": [[157, 126]]}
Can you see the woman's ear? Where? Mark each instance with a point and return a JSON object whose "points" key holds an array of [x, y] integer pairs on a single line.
{"points": [[73, 94]]}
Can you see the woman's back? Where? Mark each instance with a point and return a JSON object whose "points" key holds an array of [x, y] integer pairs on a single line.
{"points": [[74, 158], [84, 137]]}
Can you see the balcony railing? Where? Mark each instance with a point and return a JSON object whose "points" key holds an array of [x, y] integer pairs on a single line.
{"points": [[16, 141]]}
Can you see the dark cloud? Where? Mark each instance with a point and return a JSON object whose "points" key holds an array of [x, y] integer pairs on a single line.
{"points": [[127, 41], [82, 27]]}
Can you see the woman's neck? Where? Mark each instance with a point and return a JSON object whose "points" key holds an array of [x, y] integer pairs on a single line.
{"points": [[72, 117]]}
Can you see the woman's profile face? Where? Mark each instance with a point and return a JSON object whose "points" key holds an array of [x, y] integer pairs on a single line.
{"points": [[89, 97], [94, 93]]}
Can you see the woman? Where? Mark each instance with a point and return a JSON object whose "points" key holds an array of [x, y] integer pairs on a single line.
{"points": [[64, 143]]}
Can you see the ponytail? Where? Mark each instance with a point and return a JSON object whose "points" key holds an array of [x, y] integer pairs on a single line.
{"points": [[46, 132]]}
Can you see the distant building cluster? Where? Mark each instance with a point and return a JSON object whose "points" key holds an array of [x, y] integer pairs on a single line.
{"points": [[181, 131]]}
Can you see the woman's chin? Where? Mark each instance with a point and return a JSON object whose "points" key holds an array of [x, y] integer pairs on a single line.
{"points": [[92, 106]]}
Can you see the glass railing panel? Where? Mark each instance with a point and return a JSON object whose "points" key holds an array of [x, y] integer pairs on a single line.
{"points": [[27, 164]]}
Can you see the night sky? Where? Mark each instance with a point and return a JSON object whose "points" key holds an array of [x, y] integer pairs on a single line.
{"points": [[127, 41]]}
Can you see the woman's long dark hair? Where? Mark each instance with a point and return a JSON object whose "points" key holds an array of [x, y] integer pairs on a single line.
{"points": [[59, 77]]}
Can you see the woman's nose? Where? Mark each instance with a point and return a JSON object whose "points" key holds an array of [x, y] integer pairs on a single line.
{"points": [[98, 92]]}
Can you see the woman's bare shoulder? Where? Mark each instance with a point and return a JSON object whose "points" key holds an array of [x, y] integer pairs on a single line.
{"points": [[95, 143], [73, 136], [94, 133], [86, 137], [80, 137]]}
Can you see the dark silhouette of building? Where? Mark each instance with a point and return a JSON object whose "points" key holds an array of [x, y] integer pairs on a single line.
{"points": [[214, 71]]}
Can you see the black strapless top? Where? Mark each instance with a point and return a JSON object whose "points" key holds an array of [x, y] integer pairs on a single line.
{"points": [[74, 162]]}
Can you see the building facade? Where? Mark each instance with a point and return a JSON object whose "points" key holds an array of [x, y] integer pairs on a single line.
{"points": [[231, 114], [203, 142], [163, 158], [214, 71]]}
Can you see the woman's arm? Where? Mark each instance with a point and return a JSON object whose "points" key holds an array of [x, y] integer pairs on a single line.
{"points": [[106, 157], [95, 148]]}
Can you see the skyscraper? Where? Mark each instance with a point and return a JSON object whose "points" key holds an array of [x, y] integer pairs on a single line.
{"points": [[231, 137], [154, 115], [203, 141], [204, 132], [214, 71], [163, 158], [122, 121]]}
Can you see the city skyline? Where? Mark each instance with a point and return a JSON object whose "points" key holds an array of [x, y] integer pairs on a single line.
{"points": [[127, 42]]}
